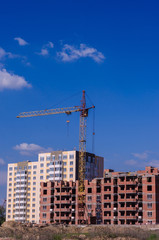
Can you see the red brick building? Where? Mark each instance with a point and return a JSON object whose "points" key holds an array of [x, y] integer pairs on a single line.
{"points": [[117, 198]]}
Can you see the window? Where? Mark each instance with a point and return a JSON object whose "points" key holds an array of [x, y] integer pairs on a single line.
{"points": [[149, 196], [64, 157], [34, 194], [149, 214], [48, 164], [34, 178], [71, 169], [33, 210], [44, 215], [29, 178], [149, 179], [48, 158], [89, 206], [71, 156], [34, 183], [64, 163], [15, 168], [44, 199], [41, 159], [9, 195], [41, 177], [10, 174], [44, 207], [64, 175], [60, 157], [149, 188], [41, 171], [41, 165], [98, 198], [33, 199], [64, 169], [44, 192], [34, 172], [149, 205], [89, 158], [53, 157], [89, 198], [33, 216], [34, 188], [10, 179], [35, 167], [33, 205], [10, 168], [48, 170], [29, 167], [71, 163], [89, 190], [71, 175]]}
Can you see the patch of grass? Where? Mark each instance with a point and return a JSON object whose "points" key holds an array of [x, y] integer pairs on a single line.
{"points": [[57, 237], [153, 237]]}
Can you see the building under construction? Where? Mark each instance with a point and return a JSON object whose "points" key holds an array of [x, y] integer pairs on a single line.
{"points": [[117, 198]]}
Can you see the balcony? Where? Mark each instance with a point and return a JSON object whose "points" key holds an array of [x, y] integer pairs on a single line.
{"points": [[62, 218], [20, 218], [131, 208], [131, 217], [20, 211], [65, 210], [21, 174], [20, 207], [21, 191], [65, 194], [131, 200]]}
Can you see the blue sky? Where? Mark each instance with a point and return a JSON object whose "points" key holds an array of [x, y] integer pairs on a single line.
{"points": [[52, 50]]}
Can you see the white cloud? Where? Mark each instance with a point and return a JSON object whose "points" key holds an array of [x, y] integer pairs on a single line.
{"points": [[70, 53], [21, 41], [30, 149], [43, 52], [2, 162], [131, 162], [4, 54], [50, 45], [12, 81], [3, 177], [142, 156]]}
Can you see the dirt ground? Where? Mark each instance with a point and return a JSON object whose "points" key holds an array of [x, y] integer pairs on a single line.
{"points": [[13, 231]]}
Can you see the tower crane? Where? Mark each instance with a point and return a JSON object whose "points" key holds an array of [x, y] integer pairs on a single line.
{"points": [[83, 110]]}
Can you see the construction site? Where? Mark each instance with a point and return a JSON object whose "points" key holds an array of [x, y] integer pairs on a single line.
{"points": [[72, 187]]}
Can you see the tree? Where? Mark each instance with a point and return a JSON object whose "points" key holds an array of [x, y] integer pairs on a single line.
{"points": [[2, 214]]}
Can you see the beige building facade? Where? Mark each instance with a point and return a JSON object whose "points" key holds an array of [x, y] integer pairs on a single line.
{"points": [[24, 178]]}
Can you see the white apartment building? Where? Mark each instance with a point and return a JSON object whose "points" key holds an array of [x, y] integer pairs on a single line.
{"points": [[23, 182]]}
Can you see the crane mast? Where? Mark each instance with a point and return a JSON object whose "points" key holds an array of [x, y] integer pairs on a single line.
{"points": [[82, 143]]}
